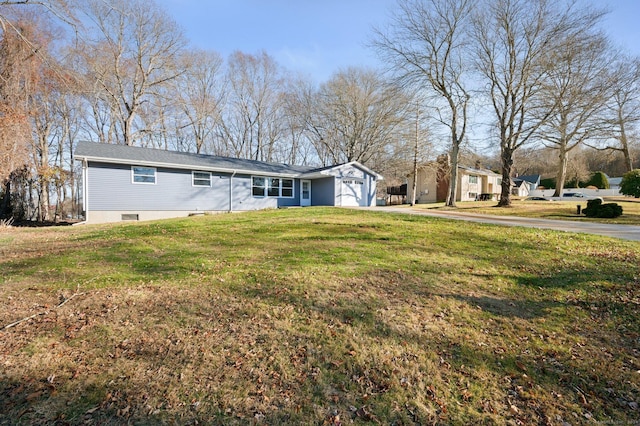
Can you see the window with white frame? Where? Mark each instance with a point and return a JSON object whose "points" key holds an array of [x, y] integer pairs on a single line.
{"points": [[201, 178], [258, 186], [287, 188], [473, 179], [143, 174], [271, 187]]}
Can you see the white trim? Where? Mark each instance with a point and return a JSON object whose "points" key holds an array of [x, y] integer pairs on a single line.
{"points": [[293, 188], [328, 171], [270, 187], [303, 175], [193, 179], [184, 166], [133, 175], [267, 187], [303, 202], [85, 189], [264, 187]]}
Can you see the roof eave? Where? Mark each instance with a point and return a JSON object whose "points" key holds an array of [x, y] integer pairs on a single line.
{"points": [[366, 169], [184, 166]]}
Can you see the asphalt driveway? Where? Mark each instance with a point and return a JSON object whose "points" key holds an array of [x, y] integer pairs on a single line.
{"points": [[625, 232]]}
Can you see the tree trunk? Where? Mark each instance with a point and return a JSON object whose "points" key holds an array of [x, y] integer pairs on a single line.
{"points": [[624, 142], [562, 172], [415, 179], [453, 176], [6, 200], [628, 161], [128, 124], [507, 165], [43, 199], [415, 162]]}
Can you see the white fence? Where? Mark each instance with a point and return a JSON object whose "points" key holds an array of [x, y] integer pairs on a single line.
{"points": [[587, 192]]}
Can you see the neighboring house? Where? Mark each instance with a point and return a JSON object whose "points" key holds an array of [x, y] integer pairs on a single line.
{"points": [[523, 185], [614, 182], [473, 184], [478, 184], [130, 183], [520, 188]]}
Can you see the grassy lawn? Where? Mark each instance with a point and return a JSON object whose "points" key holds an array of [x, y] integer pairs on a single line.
{"points": [[317, 316], [564, 210]]}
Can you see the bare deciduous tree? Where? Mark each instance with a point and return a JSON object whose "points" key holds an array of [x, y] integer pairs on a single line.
{"points": [[513, 38], [199, 95], [252, 123], [577, 85], [354, 115], [299, 149], [624, 106], [19, 67], [130, 52], [577, 167], [425, 46], [62, 9]]}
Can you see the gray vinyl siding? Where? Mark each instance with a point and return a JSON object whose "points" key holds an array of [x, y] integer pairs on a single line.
{"points": [[111, 188], [323, 191], [243, 198], [290, 202]]}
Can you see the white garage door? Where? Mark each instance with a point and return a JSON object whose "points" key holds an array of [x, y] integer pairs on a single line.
{"points": [[353, 193]]}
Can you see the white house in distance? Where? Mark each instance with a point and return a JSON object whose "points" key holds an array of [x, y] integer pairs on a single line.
{"points": [[523, 185], [131, 183], [473, 184]]}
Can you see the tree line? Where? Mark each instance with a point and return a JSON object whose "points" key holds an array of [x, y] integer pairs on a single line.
{"points": [[521, 74], [537, 73]]}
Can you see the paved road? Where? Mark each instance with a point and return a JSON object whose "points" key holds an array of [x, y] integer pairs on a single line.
{"points": [[625, 232]]}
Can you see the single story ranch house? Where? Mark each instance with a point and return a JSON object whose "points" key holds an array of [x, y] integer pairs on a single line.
{"points": [[131, 183]]}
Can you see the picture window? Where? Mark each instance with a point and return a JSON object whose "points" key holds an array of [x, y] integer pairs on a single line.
{"points": [[271, 187]]}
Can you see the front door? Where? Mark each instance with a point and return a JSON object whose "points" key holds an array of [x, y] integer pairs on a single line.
{"points": [[305, 193]]}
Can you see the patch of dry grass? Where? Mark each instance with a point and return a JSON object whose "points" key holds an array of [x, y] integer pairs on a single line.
{"points": [[318, 316], [563, 210]]}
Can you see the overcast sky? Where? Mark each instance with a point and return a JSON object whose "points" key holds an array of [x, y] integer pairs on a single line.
{"points": [[318, 37]]}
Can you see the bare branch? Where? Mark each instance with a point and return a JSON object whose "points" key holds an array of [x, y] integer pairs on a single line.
{"points": [[65, 300]]}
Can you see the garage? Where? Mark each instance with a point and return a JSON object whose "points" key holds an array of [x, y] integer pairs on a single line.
{"points": [[353, 193]]}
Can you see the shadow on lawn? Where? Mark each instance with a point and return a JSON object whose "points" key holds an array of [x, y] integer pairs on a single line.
{"points": [[510, 308], [354, 304]]}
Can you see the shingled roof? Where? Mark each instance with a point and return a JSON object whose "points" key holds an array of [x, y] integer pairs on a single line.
{"points": [[122, 154]]}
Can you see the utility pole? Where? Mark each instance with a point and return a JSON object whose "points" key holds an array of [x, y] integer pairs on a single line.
{"points": [[415, 159]]}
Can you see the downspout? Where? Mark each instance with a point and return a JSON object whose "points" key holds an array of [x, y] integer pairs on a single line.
{"points": [[231, 191], [85, 189], [85, 196]]}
